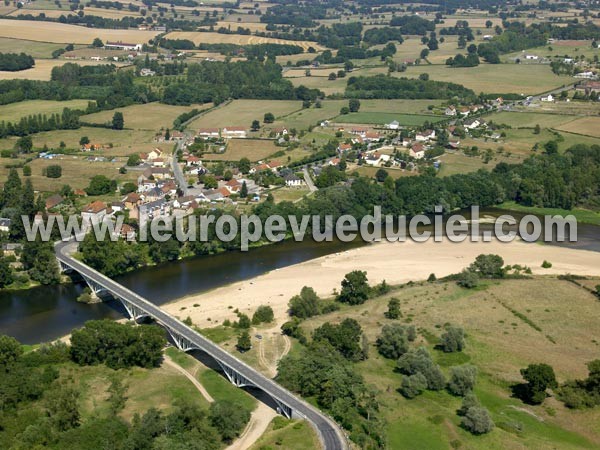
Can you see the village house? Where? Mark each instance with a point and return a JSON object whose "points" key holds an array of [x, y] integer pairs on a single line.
{"points": [[471, 124], [465, 111], [450, 111], [53, 201], [208, 133], [233, 186], [11, 249], [145, 72], [127, 232], [4, 224], [159, 208], [376, 158], [90, 147], [372, 136], [343, 148], [547, 98], [192, 161], [291, 180], [95, 212], [158, 173], [417, 151], [158, 162], [425, 136], [359, 131], [280, 132], [393, 125]]}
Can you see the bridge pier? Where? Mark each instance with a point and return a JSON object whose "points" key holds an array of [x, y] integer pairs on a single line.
{"points": [[133, 311], [182, 343]]}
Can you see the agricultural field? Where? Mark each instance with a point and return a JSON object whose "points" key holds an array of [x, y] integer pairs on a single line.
{"points": [[289, 194], [243, 112], [304, 118], [493, 78], [382, 118], [499, 342], [67, 34], [212, 38], [530, 119], [149, 116], [14, 111], [570, 49], [253, 149], [43, 69], [589, 126], [34, 48], [393, 172]]}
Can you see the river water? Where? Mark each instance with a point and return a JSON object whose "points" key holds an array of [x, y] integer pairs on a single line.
{"points": [[45, 313]]}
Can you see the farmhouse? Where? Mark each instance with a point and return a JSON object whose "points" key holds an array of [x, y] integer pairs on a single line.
{"points": [[208, 133], [4, 224], [450, 110], [473, 123], [94, 213], [292, 180], [394, 125], [547, 98], [53, 200], [417, 151], [343, 148], [234, 132], [425, 136], [118, 45]]}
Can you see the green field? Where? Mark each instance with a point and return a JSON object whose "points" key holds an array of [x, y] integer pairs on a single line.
{"points": [[33, 48], [289, 435], [382, 118], [221, 389], [582, 215], [530, 119], [14, 111]]}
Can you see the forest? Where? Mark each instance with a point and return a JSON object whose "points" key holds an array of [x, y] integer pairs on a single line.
{"points": [[13, 62]]}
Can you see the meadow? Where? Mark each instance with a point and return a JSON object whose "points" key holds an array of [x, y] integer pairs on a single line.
{"points": [[589, 126], [529, 119], [211, 38], [14, 111], [499, 343], [34, 48], [382, 118], [253, 149], [43, 69]]}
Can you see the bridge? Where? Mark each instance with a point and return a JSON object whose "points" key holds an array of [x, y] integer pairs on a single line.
{"points": [[239, 373]]}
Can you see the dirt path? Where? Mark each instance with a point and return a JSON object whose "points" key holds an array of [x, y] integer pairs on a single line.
{"points": [[270, 364], [190, 377], [260, 420]]}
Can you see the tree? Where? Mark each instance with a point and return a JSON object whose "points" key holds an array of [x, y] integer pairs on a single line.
{"points": [[243, 321], [263, 314], [424, 53], [99, 185], [413, 385], [537, 129], [255, 125], [244, 190], [244, 343], [332, 76], [84, 140], [344, 110], [53, 171], [228, 418], [6, 274], [306, 304], [244, 165], [355, 288], [26, 171], [477, 420], [381, 175], [97, 43], [393, 342], [453, 340], [468, 279], [354, 105], [488, 266], [551, 147], [424, 77], [269, 118], [344, 337], [488, 24], [24, 144], [61, 403], [419, 361], [134, 160], [118, 122], [462, 379], [393, 311], [539, 377], [10, 351]]}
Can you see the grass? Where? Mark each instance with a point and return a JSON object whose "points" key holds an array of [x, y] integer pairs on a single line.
{"points": [[304, 118], [499, 344], [491, 78], [288, 194], [149, 116], [243, 112], [43, 67], [14, 111], [582, 215], [55, 32], [381, 118], [181, 358], [529, 119], [33, 48], [253, 149], [288, 434], [212, 38], [221, 389], [589, 126]]}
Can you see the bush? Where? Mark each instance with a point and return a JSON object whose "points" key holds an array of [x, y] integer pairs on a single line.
{"points": [[306, 304], [393, 341], [53, 171], [413, 385], [393, 311], [469, 400], [243, 321], [546, 264], [419, 361], [477, 420], [488, 266], [462, 379], [355, 288], [453, 340], [468, 279], [264, 314]]}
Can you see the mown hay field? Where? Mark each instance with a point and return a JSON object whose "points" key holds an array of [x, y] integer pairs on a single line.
{"points": [[218, 38], [529, 119], [14, 111], [34, 48], [589, 126], [253, 149], [43, 69]]}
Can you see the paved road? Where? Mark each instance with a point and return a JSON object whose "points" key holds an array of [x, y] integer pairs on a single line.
{"points": [[308, 180], [330, 434], [176, 168]]}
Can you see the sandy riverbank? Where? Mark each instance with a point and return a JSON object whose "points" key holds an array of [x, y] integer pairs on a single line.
{"points": [[395, 262]]}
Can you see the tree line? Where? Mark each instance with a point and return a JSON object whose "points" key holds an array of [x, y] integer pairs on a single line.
{"points": [[13, 62]]}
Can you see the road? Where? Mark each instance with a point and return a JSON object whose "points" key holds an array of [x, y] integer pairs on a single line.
{"points": [[329, 433], [176, 168], [308, 180]]}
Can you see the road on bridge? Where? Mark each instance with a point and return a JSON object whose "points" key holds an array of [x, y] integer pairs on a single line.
{"points": [[329, 432]]}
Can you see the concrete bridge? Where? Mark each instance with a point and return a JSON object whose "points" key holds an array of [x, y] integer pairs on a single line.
{"points": [[239, 373]]}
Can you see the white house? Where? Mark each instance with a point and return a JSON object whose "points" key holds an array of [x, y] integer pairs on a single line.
{"points": [[450, 110], [94, 213], [425, 136], [118, 45], [292, 180], [547, 98], [4, 224], [472, 124], [208, 133], [234, 132], [532, 57], [417, 151], [393, 125]]}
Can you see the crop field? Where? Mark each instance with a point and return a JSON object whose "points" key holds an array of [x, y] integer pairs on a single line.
{"points": [[243, 112], [33, 48], [43, 69], [493, 78], [150, 116], [318, 80], [560, 49], [499, 343], [67, 34], [212, 38], [253, 149], [76, 172], [529, 119], [381, 118], [399, 106], [589, 126], [14, 111], [303, 118]]}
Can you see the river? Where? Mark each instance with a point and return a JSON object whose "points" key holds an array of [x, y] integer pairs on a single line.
{"points": [[45, 313]]}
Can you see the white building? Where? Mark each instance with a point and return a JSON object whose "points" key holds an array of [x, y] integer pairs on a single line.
{"points": [[118, 45]]}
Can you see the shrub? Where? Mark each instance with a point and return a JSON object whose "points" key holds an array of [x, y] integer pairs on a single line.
{"points": [[264, 314], [413, 385], [453, 340], [393, 341], [477, 420], [462, 379], [53, 171], [546, 264], [355, 288], [469, 400], [393, 311], [468, 279], [419, 361]]}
